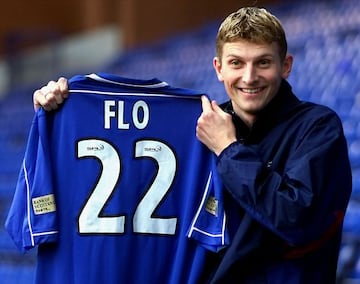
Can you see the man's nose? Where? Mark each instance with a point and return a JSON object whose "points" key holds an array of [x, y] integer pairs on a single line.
{"points": [[250, 74]]}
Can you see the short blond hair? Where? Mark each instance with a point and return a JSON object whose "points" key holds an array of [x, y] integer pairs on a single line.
{"points": [[252, 24]]}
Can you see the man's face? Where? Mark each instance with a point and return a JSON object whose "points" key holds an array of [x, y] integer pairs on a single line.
{"points": [[251, 74]]}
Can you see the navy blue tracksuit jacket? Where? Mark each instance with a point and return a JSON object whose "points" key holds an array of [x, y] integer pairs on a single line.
{"points": [[288, 181]]}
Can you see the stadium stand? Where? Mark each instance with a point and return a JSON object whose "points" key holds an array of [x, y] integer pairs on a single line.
{"points": [[325, 40]]}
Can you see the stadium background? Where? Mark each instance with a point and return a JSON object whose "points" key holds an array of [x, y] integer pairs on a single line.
{"points": [[174, 41]]}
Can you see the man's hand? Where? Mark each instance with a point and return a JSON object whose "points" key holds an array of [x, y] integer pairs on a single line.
{"points": [[52, 95], [215, 127]]}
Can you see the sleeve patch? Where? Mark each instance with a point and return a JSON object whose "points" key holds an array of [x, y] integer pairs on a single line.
{"points": [[44, 204], [212, 205]]}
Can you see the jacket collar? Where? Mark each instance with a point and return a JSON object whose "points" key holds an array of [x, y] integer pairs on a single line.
{"points": [[277, 110]]}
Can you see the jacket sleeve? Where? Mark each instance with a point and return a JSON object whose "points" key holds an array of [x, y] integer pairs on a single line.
{"points": [[303, 200]]}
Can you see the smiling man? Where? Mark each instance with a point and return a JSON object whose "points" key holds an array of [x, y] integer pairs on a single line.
{"points": [[284, 162]]}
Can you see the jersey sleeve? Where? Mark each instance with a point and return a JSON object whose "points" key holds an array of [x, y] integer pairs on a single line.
{"points": [[32, 216], [208, 227]]}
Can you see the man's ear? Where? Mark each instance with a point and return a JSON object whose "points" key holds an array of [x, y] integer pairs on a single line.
{"points": [[287, 66], [217, 67]]}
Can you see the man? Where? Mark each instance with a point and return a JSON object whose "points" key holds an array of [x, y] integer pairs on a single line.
{"points": [[283, 162]]}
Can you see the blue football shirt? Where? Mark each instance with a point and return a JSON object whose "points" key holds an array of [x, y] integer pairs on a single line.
{"points": [[111, 183]]}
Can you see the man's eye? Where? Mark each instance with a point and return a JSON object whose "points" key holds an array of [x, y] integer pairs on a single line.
{"points": [[235, 62], [264, 63]]}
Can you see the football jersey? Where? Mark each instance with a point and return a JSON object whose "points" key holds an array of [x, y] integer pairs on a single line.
{"points": [[111, 182]]}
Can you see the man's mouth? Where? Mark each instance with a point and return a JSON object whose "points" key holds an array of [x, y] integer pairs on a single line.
{"points": [[251, 90]]}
